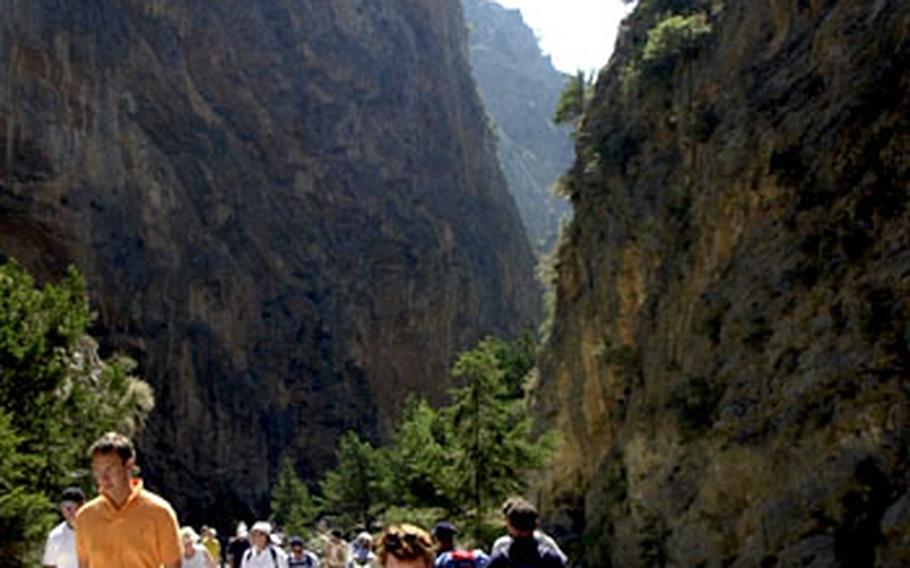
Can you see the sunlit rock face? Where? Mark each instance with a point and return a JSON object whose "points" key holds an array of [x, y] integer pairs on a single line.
{"points": [[520, 88], [729, 359], [289, 212]]}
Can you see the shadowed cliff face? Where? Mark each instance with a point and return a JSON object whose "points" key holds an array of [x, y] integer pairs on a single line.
{"points": [[730, 351], [520, 89], [289, 212]]}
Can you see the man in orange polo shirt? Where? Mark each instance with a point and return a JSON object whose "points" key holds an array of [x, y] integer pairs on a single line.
{"points": [[125, 526]]}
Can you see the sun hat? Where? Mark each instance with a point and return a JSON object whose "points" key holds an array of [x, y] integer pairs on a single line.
{"points": [[188, 533], [262, 526]]}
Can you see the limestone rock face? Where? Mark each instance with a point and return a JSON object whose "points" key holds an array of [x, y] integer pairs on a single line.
{"points": [[290, 213], [520, 89], [729, 359]]}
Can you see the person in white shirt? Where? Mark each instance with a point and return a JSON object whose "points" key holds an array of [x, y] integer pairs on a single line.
{"points": [[545, 540], [60, 550], [262, 553], [361, 552], [194, 554]]}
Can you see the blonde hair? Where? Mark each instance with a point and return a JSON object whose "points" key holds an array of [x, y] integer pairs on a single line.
{"points": [[404, 542]]}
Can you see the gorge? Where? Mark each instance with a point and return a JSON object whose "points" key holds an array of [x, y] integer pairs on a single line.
{"points": [[520, 90], [289, 213], [729, 352]]}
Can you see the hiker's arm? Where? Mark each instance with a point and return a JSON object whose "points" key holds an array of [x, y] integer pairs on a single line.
{"points": [[208, 559]]}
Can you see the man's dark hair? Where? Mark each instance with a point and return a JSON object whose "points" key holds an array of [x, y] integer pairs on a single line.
{"points": [[444, 530], [112, 442], [522, 515], [73, 494]]}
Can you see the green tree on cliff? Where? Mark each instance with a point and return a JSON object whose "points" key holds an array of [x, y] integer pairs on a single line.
{"points": [[674, 37], [56, 396], [571, 104]]}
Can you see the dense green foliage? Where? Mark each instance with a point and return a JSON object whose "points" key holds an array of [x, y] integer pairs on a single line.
{"points": [[492, 449], [571, 104], [352, 492], [56, 397], [422, 442], [293, 507], [459, 462], [673, 37]]}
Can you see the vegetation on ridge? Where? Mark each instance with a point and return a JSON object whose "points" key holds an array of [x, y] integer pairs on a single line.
{"points": [[572, 100]]}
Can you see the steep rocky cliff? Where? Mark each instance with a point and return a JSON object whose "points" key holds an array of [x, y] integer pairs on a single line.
{"points": [[289, 212], [520, 89], [729, 360]]}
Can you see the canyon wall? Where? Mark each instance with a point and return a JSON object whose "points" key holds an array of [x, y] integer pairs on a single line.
{"points": [[290, 213], [729, 356], [520, 89]]}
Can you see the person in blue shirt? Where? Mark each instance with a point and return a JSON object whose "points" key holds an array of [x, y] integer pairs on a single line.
{"points": [[299, 556]]}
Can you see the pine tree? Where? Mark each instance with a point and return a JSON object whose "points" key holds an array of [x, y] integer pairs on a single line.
{"points": [[491, 442], [571, 104], [516, 359], [420, 458], [353, 491], [293, 508], [463, 459], [57, 395]]}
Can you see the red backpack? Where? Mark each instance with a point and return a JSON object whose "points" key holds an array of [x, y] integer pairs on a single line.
{"points": [[460, 559]]}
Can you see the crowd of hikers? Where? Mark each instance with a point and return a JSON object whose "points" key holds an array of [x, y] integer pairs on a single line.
{"points": [[396, 545], [127, 526]]}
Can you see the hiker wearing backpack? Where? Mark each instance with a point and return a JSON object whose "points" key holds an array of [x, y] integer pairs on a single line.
{"points": [[543, 538], [262, 553], [524, 546], [301, 557], [361, 552], [238, 545], [336, 551], [447, 556]]}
